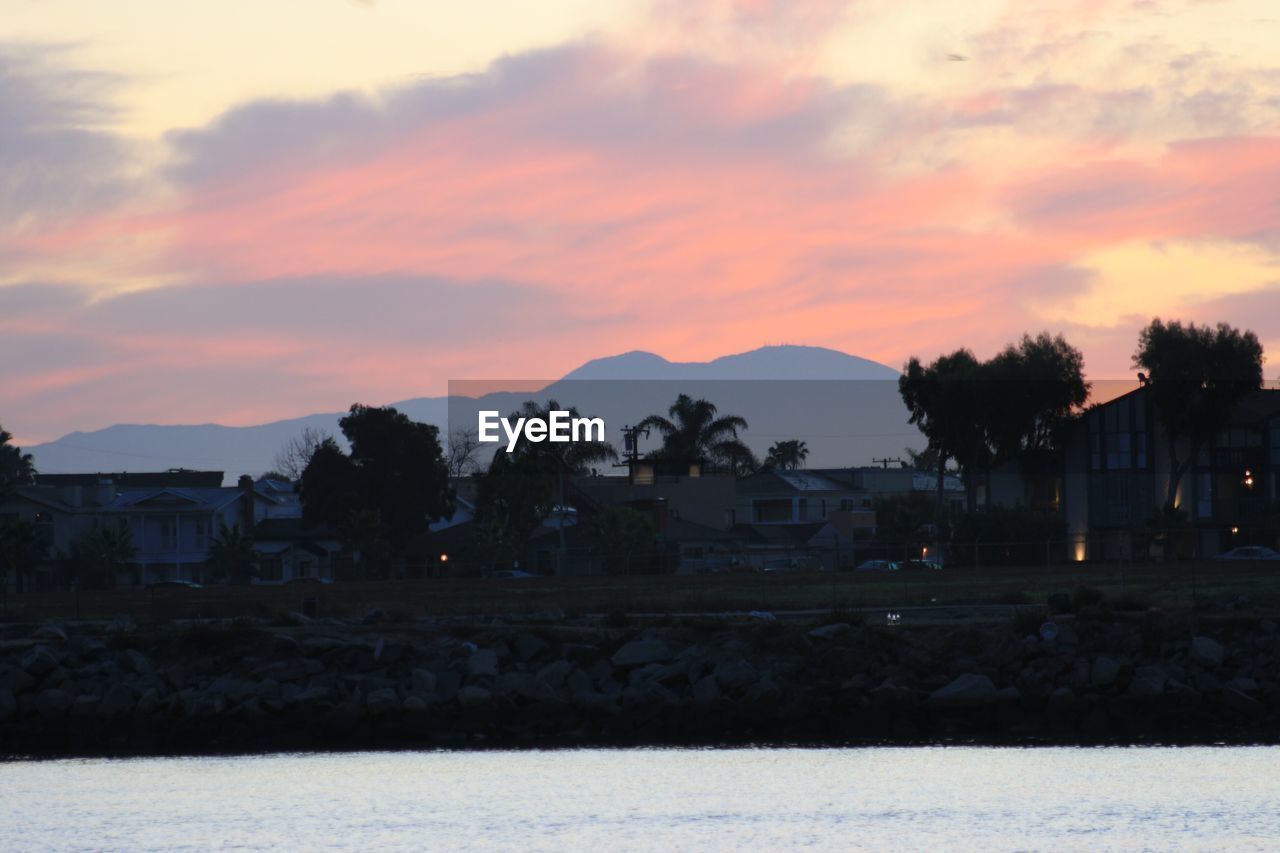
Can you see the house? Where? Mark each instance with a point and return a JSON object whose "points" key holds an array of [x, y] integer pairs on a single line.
{"points": [[172, 517], [1117, 472], [807, 519], [289, 550]]}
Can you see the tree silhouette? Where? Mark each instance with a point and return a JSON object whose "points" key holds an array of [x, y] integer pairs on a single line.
{"points": [[1196, 375], [946, 406], [16, 467], [395, 474], [786, 455], [231, 556], [107, 549], [695, 430], [292, 457], [523, 487], [20, 549]]}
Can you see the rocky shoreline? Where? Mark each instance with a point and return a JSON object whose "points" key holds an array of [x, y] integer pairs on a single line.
{"points": [[547, 681]]}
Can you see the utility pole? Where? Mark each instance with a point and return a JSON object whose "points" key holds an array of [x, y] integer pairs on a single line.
{"points": [[884, 463]]}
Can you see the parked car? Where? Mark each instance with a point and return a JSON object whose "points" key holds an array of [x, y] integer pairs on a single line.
{"points": [[309, 580], [932, 565], [174, 585], [509, 574], [877, 566], [790, 564], [1249, 552]]}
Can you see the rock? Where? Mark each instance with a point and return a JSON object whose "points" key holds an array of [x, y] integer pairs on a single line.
{"points": [[320, 645], [375, 616], [448, 682], [483, 662], [554, 674], [132, 660], [829, 632], [967, 690], [529, 646], [1244, 684], [639, 652], [1147, 681], [513, 683], [473, 694], [731, 676], [1104, 671], [415, 704], [121, 625], [550, 616], [283, 644], [8, 704], [424, 682], [148, 703], [117, 702], [705, 689], [40, 661], [51, 632], [17, 680], [53, 702], [1207, 652], [382, 701]]}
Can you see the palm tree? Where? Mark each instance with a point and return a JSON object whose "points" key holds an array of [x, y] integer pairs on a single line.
{"points": [[694, 430], [231, 555], [108, 548], [16, 467], [787, 455], [20, 549]]}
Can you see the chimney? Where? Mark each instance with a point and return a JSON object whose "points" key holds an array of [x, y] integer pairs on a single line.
{"points": [[247, 518]]}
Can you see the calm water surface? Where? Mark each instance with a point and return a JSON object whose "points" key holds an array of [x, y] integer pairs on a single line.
{"points": [[905, 799]]}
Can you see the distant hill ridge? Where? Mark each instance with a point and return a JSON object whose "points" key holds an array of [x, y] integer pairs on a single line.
{"points": [[250, 449]]}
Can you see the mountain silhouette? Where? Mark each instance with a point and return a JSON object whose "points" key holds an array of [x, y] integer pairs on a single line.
{"points": [[842, 423]]}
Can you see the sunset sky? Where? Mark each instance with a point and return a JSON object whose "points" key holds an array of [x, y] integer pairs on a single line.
{"points": [[243, 211]]}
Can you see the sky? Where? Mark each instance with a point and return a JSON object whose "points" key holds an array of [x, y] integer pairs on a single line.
{"points": [[244, 211]]}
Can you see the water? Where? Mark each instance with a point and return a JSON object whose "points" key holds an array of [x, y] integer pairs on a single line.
{"points": [[903, 799]]}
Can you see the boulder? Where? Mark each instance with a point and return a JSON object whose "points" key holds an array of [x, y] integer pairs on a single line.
{"points": [[473, 694], [1104, 672], [529, 646], [148, 703], [829, 632], [132, 660], [967, 690], [424, 682], [732, 676], [41, 660], [448, 682], [554, 674], [705, 689], [484, 662], [320, 645], [640, 652], [53, 702], [415, 704], [1207, 652], [382, 701], [118, 701], [1147, 681], [51, 632], [283, 644]]}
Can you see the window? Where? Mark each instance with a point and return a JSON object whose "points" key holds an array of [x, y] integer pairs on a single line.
{"points": [[168, 535]]}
